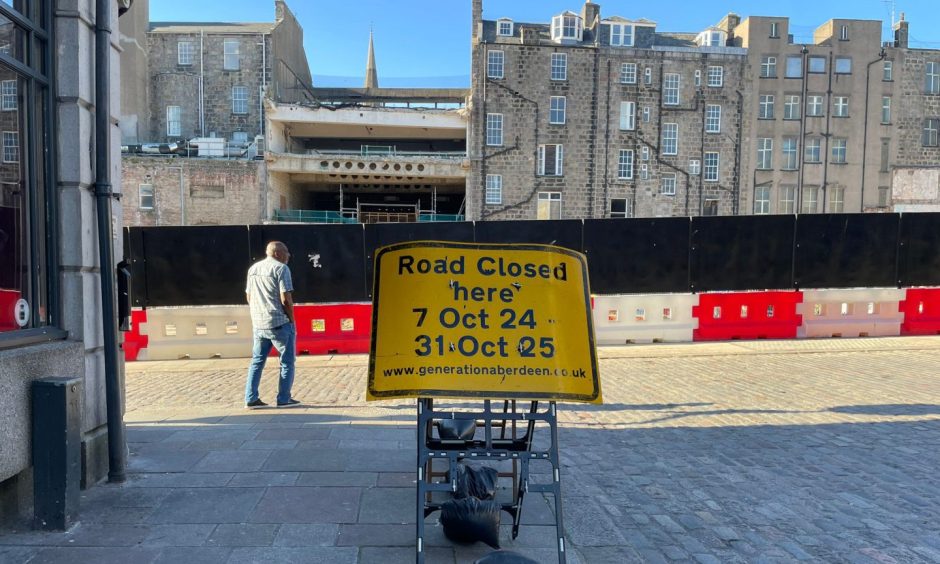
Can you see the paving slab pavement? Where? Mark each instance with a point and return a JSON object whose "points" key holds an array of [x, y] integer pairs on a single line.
{"points": [[765, 451]]}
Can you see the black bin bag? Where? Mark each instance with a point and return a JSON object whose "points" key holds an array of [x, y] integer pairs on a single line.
{"points": [[470, 520], [457, 429], [476, 481], [505, 557]]}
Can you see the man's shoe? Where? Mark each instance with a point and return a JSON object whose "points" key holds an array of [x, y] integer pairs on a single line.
{"points": [[289, 403], [256, 403]]}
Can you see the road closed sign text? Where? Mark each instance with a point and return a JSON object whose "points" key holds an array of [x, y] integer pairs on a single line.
{"points": [[470, 320]]}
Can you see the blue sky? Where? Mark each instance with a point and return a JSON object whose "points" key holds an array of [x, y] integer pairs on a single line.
{"points": [[426, 42]]}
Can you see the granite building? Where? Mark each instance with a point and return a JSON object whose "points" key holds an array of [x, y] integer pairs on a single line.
{"points": [[820, 126], [210, 79], [55, 177], [915, 170], [591, 117]]}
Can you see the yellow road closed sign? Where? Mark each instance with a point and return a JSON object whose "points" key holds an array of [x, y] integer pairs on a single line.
{"points": [[471, 320]]}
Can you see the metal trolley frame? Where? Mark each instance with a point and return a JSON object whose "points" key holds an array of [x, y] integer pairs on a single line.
{"points": [[506, 445]]}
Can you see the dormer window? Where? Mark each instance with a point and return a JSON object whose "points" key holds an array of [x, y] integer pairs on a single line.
{"points": [[504, 27], [567, 26], [711, 38], [621, 35]]}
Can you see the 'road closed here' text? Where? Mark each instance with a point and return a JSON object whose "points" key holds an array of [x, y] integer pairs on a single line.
{"points": [[472, 320]]}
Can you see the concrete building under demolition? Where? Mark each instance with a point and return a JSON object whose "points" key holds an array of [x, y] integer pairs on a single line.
{"points": [[367, 155]]}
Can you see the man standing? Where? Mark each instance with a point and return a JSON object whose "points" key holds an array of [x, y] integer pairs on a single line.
{"points": [[268, 291]]}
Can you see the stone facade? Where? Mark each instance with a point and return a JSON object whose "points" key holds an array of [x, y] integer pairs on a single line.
{"points": [[135, 74], [217, 114], [195, 191], [868, 119], [916, 189], [68, 340], [616, 159], [221, 95], [809, 95]]}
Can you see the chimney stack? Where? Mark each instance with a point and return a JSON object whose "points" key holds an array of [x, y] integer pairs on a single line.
{"points": [[590, 14], [477, 16], [901, 33]]}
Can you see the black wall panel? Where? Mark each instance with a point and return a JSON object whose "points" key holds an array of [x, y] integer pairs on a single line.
{"points": [[11, 275], [565, 233], [189, 266], [327, 261], [742, 253], [382, 234], [136, 258], [637, 255], [846, 251], [919, 250]]}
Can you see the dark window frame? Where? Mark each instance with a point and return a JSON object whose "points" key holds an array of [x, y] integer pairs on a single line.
{"points": [[37, 152]]}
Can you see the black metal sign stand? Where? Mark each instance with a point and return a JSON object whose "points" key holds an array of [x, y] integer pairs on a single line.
{"points": [[506, 445]]}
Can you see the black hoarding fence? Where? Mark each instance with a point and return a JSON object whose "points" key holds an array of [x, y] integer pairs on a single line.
{"points": [[644, 255], [326, 260], [847, 251], [379, 235], [187, 266], [748, 253]]}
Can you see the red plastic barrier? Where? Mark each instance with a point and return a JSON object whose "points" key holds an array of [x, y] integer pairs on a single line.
{"points": [[8, 299], [747, 315], [333, 328], [133, 340], [921, 311]]}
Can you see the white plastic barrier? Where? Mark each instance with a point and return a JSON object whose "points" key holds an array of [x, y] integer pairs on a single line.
{"points": [[197, 332], [851, 313], [647, 318]]}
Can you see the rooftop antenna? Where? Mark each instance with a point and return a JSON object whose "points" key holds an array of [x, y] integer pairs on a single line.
{"points": [[893, 5]]}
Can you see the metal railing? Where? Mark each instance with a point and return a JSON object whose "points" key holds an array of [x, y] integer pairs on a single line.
{"points": [[439, 218], [373, 151], [312, 216], [324, 216]]}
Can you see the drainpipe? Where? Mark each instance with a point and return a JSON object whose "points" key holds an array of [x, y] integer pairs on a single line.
{"points": [[264, 83], [103, 195], [828, 136], [701, 166], [202, 87], [880, 58], [736, 202], [804, 90]]}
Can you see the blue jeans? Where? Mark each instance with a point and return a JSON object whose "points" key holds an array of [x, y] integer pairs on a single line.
{"points": [[284, 339]]}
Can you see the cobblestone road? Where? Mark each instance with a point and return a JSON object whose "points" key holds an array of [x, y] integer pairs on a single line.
{"points": [[790, 451]]}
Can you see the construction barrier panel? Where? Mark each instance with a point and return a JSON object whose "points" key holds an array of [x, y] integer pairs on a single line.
{"points": [[656, 318], [134, 342], [333, 328], [196, 332], [921, 309], [747, 315], [851, 313]]}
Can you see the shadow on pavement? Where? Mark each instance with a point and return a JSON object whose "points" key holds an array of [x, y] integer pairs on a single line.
{"points": [[306, 487], [889, 409]]}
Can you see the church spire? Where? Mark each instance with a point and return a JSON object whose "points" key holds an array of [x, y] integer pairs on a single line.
{"points": [[372, 76]]}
